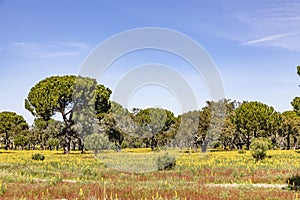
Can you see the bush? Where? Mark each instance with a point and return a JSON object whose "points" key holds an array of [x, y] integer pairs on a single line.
{"points": [[38, 156], [242, 151], [166, 162], [138, 144], [156, 149], [163, 148], [124, 145], [215, 144], [294, 182], [259, 148], [188, 150]]}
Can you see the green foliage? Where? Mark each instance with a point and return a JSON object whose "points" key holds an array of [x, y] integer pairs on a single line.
{"points": [[51, 95], [242, 151], [196, 129], [43, 130], [102, 103], [294, 182], [259, 148], [2, 188], [166, 162], [53, 143], [20, 140], [38, 156], [11, 125], [97, 142], [290, 128], [228, 133], [10, 121], [186, 129], [117, 123], [296, 101], [124, 145], [296, 104], [138, 144], [156, 119], [255, 119], [215, 144], [154, 124], [73, 98]]}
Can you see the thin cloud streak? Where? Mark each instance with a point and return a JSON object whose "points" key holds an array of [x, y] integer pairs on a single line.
{"points": [[265, 23], [266, 39], [50, 49]]}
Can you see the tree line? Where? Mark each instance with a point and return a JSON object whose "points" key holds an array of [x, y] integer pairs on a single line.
{"points": [[70, 110]]}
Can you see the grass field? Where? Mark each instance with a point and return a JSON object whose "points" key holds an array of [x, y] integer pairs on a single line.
{"points": [[82, 176]]}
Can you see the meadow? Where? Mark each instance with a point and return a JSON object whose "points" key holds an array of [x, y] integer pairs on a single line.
{"points": [[195, 176]]}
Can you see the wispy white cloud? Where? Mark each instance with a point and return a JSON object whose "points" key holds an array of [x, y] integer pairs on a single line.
{"points": [[285, 41], [49, 49], [266, 39], [266, 23], [79, 45]]}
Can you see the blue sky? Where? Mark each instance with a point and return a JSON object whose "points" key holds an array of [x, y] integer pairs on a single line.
{"points": [[255, 45]]}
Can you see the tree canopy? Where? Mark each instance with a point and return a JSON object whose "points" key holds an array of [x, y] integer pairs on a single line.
{"points": [[154, 121], [296, 101], [290, 128], [63, 96], [255, 119], [67, 109], [11, 124]]}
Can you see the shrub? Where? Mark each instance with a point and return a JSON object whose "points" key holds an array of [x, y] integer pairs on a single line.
{"points": [[215, 144], [138, 144], [124, 145], [163, 148], [294, 182], [166, 162], [156, 149], [259, 148], [188, 150], [38, 156], [242, 151]]}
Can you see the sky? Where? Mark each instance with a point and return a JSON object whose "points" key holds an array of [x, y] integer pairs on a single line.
{"points": [[255, 46]]}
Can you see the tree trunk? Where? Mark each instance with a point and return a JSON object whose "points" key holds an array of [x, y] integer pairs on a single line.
{"points": [[153, 131], [204, 146], [248, 145], [74, 145], [288, 140], [295, 143], [6, 141], [67, 141], [6, 145], [152, 142], [248, 141], [80, 145]]}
